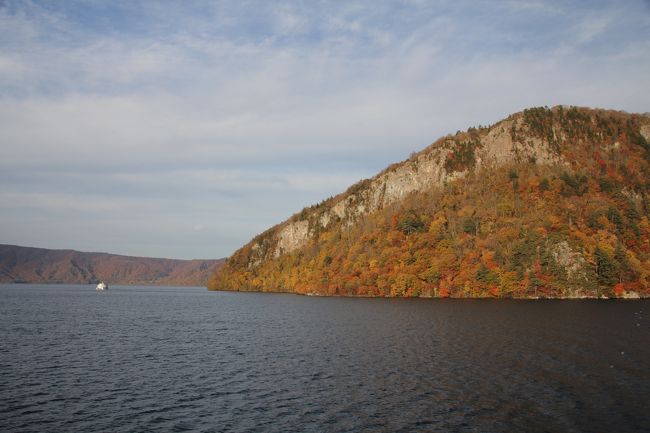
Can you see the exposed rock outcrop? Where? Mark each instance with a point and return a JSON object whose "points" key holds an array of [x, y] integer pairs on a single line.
{"points": [[494, 146], [545, 203]]}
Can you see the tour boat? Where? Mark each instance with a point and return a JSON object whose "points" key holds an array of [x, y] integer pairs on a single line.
{"points": [[102, 286]]}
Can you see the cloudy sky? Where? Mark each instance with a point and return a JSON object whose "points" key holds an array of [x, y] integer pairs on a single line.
{"points": [[183, 128]]}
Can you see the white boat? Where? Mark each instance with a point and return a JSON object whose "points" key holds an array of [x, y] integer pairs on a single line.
{"points": [[101, 286]]}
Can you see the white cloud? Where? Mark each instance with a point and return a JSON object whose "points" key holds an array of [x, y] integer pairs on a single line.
{"points": [[232, 116], [591, 27]]}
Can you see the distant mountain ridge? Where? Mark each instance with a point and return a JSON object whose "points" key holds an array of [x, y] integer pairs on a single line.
{"points": [[40, 265], [548, 202]]}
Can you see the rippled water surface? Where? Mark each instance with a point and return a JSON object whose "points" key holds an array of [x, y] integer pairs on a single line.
{"points": [[185, 359]]}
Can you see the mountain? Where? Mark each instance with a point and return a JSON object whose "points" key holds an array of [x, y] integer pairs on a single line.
{"points": [[39, 265], [549, 202]]}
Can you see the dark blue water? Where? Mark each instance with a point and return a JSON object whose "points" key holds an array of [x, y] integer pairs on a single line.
{"points": [[178, 359]]}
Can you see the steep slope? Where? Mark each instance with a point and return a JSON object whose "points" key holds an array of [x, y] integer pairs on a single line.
{"points": [[546, 203], [39, 265]]}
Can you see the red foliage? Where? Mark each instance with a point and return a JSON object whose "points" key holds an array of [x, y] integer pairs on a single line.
{"points": [[483, 234], [619, 290]]}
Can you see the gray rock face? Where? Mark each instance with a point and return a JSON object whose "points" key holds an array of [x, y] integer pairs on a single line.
{"points": [[572, 261], [645, 132], [508, 141], [420, 172]]}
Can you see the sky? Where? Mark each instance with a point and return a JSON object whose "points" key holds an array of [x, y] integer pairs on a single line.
{"points": [[182, 129]]}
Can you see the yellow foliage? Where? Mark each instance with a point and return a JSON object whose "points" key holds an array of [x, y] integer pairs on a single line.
{"points": [[505, 209], [437, 225], [509, 283], [326, 236], [606, 241], [484, 234]]}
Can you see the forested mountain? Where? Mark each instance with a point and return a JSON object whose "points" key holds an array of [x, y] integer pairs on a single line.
{"points": [[39, 265], [546, 203]]}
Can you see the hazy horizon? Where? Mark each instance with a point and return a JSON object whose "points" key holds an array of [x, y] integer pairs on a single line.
{"points": [[181, 130]]}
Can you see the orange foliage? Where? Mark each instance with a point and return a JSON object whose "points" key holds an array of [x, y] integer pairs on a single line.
{"points": [[560, 232]]}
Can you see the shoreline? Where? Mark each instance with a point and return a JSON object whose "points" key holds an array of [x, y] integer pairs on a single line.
{"points": [[627, 297]]}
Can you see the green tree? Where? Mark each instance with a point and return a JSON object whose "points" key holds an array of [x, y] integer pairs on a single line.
{"points": [[411, 223], [470, 225], [486, 276], [574, 185], [606, 268], [615, 217], [625, 270], [544, 185]]}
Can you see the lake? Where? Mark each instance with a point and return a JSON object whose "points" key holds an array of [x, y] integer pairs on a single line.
{"points": [[153, 359]]}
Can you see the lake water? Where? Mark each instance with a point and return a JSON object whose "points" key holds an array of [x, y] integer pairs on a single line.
{"points": [[185, 359]]}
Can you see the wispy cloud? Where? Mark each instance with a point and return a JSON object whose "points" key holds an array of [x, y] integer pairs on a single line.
{"points": [[230, 116]]}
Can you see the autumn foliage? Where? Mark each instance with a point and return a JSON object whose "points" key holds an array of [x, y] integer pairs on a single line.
{"points": [[522, 229]]}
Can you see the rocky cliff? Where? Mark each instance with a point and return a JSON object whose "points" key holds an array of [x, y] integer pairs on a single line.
{"points": [[573, 153]]}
